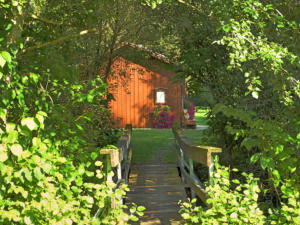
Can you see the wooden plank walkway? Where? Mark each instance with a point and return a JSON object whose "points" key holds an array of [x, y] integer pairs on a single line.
{"points": [[159, 188]]}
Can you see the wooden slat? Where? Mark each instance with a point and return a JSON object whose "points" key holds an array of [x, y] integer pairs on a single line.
{"points": [[114, 156], [195, 187], [192, 151], [127, 165], [198, 153]]}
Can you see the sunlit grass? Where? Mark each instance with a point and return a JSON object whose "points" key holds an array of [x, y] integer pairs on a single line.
{"points": [[148, 143], [156, 146], [200, 116]]}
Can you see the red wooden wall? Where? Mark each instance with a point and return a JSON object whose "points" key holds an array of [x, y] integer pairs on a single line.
{"points": [[133, 87]]}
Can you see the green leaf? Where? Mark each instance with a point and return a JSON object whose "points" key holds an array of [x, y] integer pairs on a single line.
{"points": [[255, 94], [94, 155], [34, 77], [47, 167], [42, 113], [9, 26], [79, 126], [6, 56], [141, 208], [255, 157], [3, 156], [12, 136], [90, 98], [16, 149], [226, 28], [89, 173], [264, 162], [153, 4], [37, 173], [27, 174], [276, 174], [30, 123], [134, 218], [76, 189], [78, 181], [3, 114], [2, 61], [235, 181]]}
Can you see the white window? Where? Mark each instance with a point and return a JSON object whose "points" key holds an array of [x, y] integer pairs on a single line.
{"points": [[160, 97]]}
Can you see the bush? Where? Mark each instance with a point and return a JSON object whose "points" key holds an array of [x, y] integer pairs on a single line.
{"points": [[236, 202], [49, 133], [191, 111], [228, 205], [162, 117]]}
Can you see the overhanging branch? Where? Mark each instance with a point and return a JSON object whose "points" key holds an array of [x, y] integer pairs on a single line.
{"points": [[188, 4], [92, 30], [45, 20]]}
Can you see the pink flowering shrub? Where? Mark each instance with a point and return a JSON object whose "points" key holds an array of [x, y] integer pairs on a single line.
{"points": [[191, 111], [162, 117]]}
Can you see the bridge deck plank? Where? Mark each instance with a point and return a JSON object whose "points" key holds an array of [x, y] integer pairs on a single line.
{"points": [[158, 188]]}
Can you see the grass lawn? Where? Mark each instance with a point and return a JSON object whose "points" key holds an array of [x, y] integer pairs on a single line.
{"points": [[200, 116], [155, 146]]}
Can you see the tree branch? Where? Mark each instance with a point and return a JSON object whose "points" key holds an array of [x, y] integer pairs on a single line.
{"points": [[45, 20], [92, 30], [188, 4]]}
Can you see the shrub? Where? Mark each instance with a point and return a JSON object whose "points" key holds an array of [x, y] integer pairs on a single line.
{"points": [[227, 206], [191, 111], [236, 202], [49, 131], [162, 117]]}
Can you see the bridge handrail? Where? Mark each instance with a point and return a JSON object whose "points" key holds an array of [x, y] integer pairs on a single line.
{"points": [[185, 148], [119, 158]]}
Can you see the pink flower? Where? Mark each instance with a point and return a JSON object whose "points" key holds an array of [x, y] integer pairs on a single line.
{"points": [[191, 111]]}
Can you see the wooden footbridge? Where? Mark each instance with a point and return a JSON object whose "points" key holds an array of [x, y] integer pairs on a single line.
{"points": [[159, 187]]}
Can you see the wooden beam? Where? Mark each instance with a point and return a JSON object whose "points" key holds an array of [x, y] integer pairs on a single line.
{"points": [[198, 153]]}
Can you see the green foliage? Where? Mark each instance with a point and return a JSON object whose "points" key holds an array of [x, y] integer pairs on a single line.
{"points": [[54, 115], [50, 134], [236, 202], [246, 54], [201, 115], [227, 206]]}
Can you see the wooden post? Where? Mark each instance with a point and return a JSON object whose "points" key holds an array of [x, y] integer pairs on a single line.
{"points": [[210, 172], [198, 153], [182, 165], [191, 166]]}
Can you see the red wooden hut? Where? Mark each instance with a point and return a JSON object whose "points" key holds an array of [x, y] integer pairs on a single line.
{"points": [[138, 80]]}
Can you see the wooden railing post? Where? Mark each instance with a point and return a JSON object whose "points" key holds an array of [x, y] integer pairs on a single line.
{"points": [[210, 171], [191, 165], [119, 158], [181, 163], [197, 153]]}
